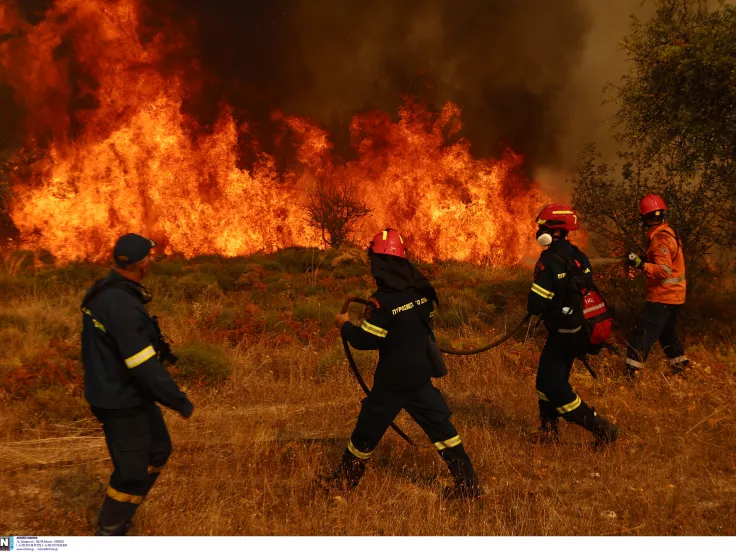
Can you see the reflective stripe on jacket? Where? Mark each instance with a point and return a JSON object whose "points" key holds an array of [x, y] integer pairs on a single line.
{"points": [[665, 267]]}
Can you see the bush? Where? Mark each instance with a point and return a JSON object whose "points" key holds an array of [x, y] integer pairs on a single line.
{"points": [[58, 365], [192, 285], [18, 285], [76, 275], [328, 363], [299, 259], [250, 279], [169, 267], [457, 311], [203, 363], [78, 492], [55, 404], [314, 310]]}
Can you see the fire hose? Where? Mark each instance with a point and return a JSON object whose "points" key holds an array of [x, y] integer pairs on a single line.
{"points": [[364, 386], [448, 351]]}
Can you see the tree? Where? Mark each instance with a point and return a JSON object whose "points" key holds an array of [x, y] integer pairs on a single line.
{"points": [[335, 210], [677, 104], [676, 122], [607, 197]]}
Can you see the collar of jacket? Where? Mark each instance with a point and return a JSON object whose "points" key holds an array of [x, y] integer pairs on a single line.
{"points": [[139, 289], [657, 229], [562, 247]]}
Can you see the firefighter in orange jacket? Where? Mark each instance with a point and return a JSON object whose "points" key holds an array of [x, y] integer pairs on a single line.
{"points": [[664, 269]]}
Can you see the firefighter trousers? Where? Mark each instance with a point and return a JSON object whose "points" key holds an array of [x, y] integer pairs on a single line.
{"points": [[139, 446], [555, 394], [657, 322], [428, 408]]}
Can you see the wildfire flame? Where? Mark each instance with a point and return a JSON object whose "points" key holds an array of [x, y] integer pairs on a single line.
{"points": [[130, 160]]}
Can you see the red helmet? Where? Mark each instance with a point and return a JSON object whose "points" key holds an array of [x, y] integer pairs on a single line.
{"points": [[650, 204], [388, 242], [558, 215]]}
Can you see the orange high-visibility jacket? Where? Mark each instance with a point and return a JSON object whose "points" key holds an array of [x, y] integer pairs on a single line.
{"points": [[665, 267]]}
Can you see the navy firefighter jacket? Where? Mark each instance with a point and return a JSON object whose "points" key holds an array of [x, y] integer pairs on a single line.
{"points": [[397, 324], [120, 350], [548, 291]]}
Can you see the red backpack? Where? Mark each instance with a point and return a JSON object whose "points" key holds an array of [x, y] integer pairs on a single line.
{"points": [[585, 304], [596, 317]]}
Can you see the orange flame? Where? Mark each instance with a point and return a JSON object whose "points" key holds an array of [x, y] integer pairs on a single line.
{"points": [[135, 163]]}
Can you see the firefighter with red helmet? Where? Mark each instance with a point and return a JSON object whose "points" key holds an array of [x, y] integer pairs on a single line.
{"points": [[549, 298], [664, 268], [397, 323]]}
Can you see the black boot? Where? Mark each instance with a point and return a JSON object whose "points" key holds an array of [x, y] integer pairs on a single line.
{"points": [[115, 518], [547, 434], [549, 428], [678, 368], [466, 481], [585, 416], [605, 432], [631, 373], [348, 472]]}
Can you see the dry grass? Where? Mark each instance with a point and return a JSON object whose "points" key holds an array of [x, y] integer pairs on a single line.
{"points": [[245, 463]]}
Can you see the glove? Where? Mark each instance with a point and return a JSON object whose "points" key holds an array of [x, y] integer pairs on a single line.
{"points": [[341, 319], [186, 410], [633, 260]]}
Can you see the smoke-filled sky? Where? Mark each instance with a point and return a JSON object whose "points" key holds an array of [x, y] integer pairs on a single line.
{"points": [[526, 73]]}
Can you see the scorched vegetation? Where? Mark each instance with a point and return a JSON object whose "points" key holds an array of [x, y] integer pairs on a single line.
{"points": [[275, 403]]}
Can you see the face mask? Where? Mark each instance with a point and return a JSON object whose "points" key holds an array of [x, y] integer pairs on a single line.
{"points": [[544, 238]]}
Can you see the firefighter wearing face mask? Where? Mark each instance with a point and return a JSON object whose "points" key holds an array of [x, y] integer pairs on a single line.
{"points": [[566, 340], [664, 268], [397, 322]]}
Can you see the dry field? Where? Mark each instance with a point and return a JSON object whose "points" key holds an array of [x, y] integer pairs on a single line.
{"points": [[275, 404]]}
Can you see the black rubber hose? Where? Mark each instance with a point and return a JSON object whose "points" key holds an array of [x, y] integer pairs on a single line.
{"points": [[479, 350], [490, 345]]}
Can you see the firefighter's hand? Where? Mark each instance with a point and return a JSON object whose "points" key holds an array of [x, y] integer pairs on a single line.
{"points": [[186, 411], [341, 318], [633, 260]]}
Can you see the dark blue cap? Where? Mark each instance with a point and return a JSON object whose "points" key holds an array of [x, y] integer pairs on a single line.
{"points": [[131, 248]]}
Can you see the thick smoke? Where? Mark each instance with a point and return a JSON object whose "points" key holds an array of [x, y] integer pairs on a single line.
{"points": [[527, 73], [504, 63]]}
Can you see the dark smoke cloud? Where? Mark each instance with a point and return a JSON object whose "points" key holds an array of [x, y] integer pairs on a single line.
{"points": [[526, 73], [504, 62]]}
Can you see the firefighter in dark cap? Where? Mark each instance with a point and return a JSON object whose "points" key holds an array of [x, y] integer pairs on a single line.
{"points": [[397, 322], [123, 353]]}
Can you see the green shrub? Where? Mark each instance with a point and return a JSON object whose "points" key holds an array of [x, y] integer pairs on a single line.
{"points": [[205, 363], [53, 405], [457, 311], [79, 491], [169, 267], [299, 259], [192, 285], [15, 286], [314, 310], [76, 275], [267, 264], [329, 362], [227, 278], [345, 271]]}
